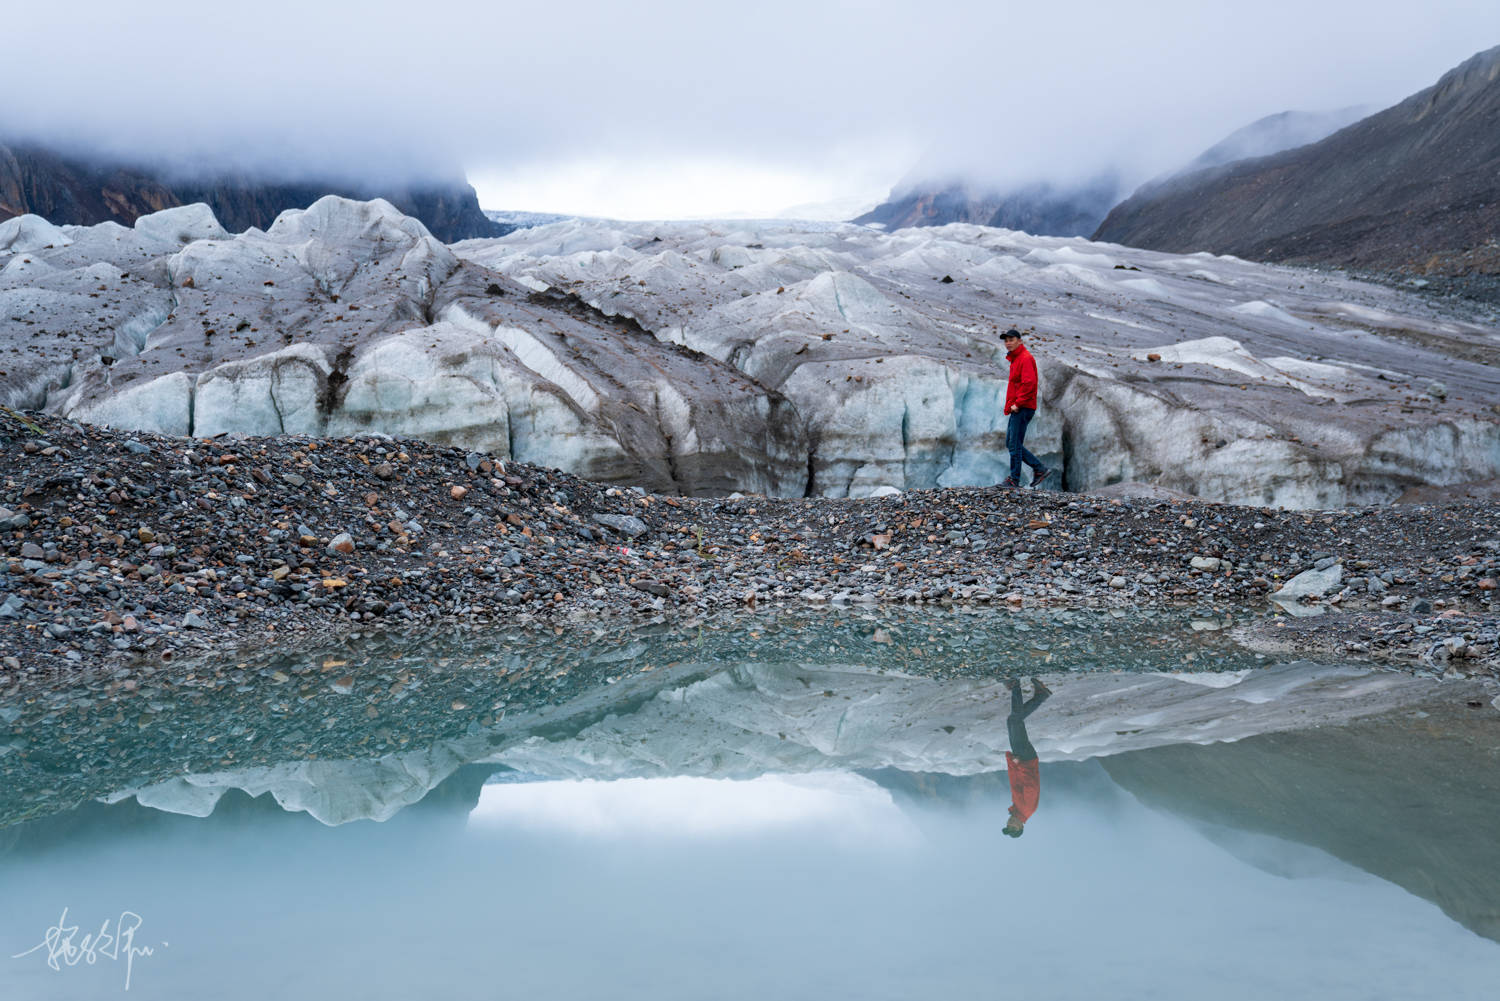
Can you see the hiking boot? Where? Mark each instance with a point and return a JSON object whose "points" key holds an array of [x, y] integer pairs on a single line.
{"points": [[1037, 688], [1009, 484], [1037, 478]]}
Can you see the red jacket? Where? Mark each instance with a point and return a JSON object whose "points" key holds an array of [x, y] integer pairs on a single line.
{"points": [[1022, 389], [1025, 785]]}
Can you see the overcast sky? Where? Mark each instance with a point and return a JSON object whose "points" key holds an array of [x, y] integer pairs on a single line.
{"points": [[677, 108]]}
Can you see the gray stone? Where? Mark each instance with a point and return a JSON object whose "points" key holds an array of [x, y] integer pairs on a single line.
{"points": [[1208, 563], [627, 525], [1311, 583]]}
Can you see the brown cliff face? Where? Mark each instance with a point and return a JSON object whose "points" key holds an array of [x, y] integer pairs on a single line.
{"points": [[1410, 187], [61, 190], [72, 190]]}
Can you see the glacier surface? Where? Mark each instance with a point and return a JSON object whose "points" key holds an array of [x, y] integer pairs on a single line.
{"points": [[769, 357]]}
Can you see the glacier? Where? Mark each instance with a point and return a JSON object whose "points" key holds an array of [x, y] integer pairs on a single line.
{"points": [[783, 358]]}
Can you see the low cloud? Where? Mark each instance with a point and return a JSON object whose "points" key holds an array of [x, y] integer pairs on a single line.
{"points": [[994, 91]]}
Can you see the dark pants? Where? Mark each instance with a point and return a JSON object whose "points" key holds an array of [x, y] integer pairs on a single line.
{"points": [[1020, 744], [1015, 441]]}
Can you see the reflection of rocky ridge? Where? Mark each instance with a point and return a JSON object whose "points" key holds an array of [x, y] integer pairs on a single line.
{"points": [[77, 191], [333, 792], [451, 800], [1416, 180], [1396, 797]]}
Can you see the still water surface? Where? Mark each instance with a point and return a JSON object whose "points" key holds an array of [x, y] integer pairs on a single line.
{"points": [[762, 813]]}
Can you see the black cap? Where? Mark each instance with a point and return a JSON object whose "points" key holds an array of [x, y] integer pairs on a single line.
{"points": [[1012, 332]]}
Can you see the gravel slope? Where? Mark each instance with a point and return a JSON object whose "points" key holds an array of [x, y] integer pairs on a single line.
{"points": [[118, 547]]}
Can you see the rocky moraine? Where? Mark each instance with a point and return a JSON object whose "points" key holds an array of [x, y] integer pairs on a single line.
{"points": [[125, 549]]}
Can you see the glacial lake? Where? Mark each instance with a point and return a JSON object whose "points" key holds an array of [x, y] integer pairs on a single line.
{"points": [[804, 806]]}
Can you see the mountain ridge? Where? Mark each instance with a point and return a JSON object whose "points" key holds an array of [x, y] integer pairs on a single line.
{"points": [[68, 189], [1040, 208], [1407, 188], [1048, 209]]}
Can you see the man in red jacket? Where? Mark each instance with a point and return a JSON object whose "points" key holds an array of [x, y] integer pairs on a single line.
{"points": [[1021, 764], [1020, 404]]}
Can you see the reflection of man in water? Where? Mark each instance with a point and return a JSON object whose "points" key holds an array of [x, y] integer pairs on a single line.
{"points": [[1021, 765]]}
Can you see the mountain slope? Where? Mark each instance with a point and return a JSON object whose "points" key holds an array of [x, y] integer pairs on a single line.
{"points": [[1041, 209], [1404, 188], [1274, 133], [1047, 209], [73, 190]]}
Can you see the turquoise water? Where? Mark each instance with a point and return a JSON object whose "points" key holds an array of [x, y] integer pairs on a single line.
{"points": [[779, 808]]}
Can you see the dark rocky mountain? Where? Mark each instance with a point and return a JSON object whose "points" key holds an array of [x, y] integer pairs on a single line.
{"points": [[1416, 187], [1040, 208], [66, 189], [1045, 209]]}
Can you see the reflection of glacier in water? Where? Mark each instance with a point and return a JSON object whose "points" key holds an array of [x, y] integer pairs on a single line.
{"points": [[825, 885], [757, 814]]}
